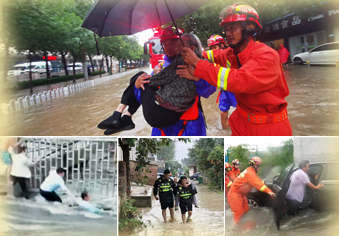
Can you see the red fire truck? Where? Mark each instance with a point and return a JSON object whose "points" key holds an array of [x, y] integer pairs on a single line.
{"points": [[154, 49]]}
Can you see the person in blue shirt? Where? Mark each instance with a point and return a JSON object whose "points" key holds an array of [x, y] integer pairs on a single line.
{"points": [[85, 205], [192, 122]]}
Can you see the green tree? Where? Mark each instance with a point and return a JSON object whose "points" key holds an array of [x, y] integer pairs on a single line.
{"points": [[240, 152], [208, 154], [167, 153]]}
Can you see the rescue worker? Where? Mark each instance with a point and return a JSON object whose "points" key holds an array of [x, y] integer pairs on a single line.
{"points": [[242, 185], [255, 75], [165, 185], [185, 192], [235, 170], [226, 99], [228, 181], [191, 122]]}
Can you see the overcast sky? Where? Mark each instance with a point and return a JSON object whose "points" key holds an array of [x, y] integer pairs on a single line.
{"points": [[181, 149], [261, 141]]}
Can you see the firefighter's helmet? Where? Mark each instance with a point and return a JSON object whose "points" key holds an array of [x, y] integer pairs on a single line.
{"points": [[170, 33], [215, 40], [239, 12]]}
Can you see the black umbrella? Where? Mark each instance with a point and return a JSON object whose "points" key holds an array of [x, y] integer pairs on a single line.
{"points": [[126, 17]]}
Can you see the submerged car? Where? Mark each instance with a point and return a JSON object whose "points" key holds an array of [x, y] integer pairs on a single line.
{"points": [[195, 176], [325, 54], [322, 199]]}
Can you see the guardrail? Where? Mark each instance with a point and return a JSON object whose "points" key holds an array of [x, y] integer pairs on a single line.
{"points": [[28, 101], [90, 165]]}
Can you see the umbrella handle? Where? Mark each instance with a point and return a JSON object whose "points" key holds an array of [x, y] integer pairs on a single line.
{"points": [[175, 25]]}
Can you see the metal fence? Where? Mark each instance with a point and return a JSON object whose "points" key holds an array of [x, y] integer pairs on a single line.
{"points": [[90, 165], [28, 101]]}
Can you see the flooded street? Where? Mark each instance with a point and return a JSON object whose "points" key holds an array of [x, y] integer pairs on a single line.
{"points": [[206, 220], [313, 108], [37, 217], [307, 222]]}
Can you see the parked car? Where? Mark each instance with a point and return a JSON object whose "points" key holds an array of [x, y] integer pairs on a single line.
{"points": [[324, 54], [78, 66], [38, 67], [323, 199], [195, 176], [18, 69]]}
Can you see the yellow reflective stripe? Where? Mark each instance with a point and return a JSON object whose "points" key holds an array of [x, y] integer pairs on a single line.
{"points": [[165, 186], [210, 56], [229, 184], [186, 194], [222, 78], [228, 64], [242, 175], [164, 190], [262, 188]]}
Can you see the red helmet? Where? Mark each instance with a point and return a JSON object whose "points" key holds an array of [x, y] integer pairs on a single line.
{"points": [[215, 39], [239, 12], [228, 166], [170, 33], [236, 162], [255, 160]]}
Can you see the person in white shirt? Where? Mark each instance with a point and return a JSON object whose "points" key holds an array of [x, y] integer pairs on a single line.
{"points": [[295, 197], [53, 182], [20, 172]]}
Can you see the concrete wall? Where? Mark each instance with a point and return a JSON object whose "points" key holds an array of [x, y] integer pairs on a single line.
{"points": [[316, 149], [151, 176]]}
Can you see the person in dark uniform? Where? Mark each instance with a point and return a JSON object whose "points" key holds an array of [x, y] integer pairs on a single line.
{"points": [[165, 185], [185, 192]]}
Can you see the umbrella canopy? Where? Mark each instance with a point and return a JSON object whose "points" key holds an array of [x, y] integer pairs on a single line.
{"points": [[126, 17]]}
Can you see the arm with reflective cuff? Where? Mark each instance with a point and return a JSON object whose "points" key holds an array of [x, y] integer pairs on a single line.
{"points": [[256, 182], [216, 56], [257, 75]]}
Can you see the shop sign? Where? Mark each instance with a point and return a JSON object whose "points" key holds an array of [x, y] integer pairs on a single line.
{"points": [[311, 18], [296, 20]]}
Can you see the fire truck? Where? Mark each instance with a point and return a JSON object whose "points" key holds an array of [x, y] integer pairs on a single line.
{"points": [[154, 49]]}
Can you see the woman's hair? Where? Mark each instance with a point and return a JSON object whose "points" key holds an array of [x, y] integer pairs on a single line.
{"points": [[193, 40], [21, 149]]}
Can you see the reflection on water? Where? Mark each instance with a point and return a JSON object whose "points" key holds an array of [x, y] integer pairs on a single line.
{"points": [[260, 222], [313, 108], [206, 220]]}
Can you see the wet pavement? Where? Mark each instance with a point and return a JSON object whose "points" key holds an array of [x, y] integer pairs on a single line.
{"points": [[313, 108], [208, 219], [38, 217], [260, 222]]}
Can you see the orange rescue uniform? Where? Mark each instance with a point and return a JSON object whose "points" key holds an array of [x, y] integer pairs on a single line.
{"points": [[228, 184], [232, 174], [241, 186], [259, 86]]}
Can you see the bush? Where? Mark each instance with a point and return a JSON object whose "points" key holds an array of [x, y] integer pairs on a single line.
{"points": [[52, 80], [129, 217]]}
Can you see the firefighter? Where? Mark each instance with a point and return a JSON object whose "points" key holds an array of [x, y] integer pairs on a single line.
{"points": [[226, 99], [235, 170], [165, 185], [192, 122], [242, 185], [249, 69], [228, 181]]}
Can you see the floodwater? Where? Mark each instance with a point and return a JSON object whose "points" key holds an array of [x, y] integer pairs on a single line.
{"points": [[313, 108], [38, 217], [260, 222], [208, 219]]}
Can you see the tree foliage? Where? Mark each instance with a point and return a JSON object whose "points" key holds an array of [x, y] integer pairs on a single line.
{"points": [[208, 154]]}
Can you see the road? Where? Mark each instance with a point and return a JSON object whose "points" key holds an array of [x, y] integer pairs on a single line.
{"points": [[313, 108]]}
